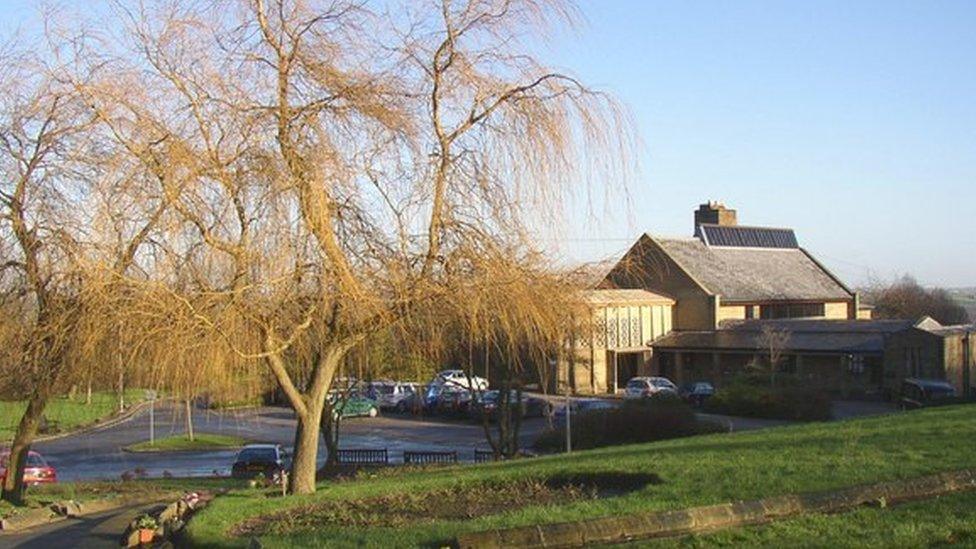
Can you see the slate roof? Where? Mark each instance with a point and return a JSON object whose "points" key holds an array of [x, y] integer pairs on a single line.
{"points": [[741, 274], [955, 329], [734, 340], [625, 297], [826, 325], [826, 336]]}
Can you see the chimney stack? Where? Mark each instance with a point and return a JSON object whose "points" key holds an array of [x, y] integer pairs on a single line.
{"points": [[714, 213]]}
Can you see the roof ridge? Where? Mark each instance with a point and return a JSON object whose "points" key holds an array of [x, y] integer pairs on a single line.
{"points": [[749, 226]]}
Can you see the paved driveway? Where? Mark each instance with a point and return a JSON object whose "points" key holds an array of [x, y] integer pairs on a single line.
{"points": [[847, 409], [99, 454], [96, 531]]}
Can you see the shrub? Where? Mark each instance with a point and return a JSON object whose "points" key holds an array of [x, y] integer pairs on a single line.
{"points": [[789, 403], [635, 421], [147, 522]]}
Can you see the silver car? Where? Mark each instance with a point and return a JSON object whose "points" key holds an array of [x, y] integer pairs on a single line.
{"points": [[393, 395], [644, 387]]}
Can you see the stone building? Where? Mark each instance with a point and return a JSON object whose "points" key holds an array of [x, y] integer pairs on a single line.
{"points": [[929, 350], [712, 306], [616, 344], [727, 272]]}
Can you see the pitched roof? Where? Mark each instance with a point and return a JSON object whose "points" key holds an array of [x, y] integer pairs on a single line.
{"points": [[955, 329], [625, 297], [734, 340], [826, 325], [741, 274]]}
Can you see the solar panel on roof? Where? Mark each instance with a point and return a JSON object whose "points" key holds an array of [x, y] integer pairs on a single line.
{"points": [[748, 237]]}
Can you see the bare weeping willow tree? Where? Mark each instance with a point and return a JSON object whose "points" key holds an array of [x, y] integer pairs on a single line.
{"points": [[519, 312], [303, 174], [55, 242]]}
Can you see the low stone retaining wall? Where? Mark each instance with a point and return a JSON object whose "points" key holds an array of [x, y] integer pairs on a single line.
{"points": [[715, 517], [170, 520]]}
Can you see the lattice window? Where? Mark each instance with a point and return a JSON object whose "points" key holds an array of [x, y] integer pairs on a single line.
{"points": [[611, 335], [600, 327], [635, 333], [624, 332]]}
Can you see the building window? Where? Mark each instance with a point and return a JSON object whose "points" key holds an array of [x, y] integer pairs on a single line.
{"points": [[791, 310], [600, 327]]}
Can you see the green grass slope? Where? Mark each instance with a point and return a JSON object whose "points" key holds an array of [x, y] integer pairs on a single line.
{"points": [[66, 414], [695, 471]]}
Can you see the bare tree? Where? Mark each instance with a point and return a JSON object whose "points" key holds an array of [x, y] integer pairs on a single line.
{"points": [[55, 263], [775, 342], [906, 298], [333, 173]]}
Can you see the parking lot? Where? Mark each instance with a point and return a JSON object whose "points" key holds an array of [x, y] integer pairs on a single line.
{"points": [[99, 454]]}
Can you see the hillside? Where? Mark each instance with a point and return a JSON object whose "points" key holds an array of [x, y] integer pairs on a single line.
{"points": [[397, 508]]}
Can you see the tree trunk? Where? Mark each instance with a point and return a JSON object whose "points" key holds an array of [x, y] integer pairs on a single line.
{"points": [[189, 418], [13, 483], [304, 462], [121, 390], [517, 427], [308, 407], [330, 430], [88, 391]]}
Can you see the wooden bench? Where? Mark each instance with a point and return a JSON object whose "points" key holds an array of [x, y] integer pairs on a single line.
{"points": [[424, 458], [364, 456]]}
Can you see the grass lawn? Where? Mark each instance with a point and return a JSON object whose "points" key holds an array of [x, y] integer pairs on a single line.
{"points": [[64, 414], [693, 471], [178, 443], [40, 496]]}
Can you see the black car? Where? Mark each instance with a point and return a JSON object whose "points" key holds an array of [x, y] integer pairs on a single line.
{"points": [[696, 393], [919, 393], [488, 404], [452, 401], [268, 460]]}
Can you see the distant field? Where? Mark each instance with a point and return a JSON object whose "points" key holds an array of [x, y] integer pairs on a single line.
{"points": [[64, 414], [392, 509]]}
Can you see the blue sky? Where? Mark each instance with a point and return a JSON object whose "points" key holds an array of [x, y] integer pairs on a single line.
{"points": [[852, 122]]}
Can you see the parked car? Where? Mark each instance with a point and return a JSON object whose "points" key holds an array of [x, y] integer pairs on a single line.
{"points": [[36, 471], [643, 387], [459, 378], [488, 404], [919, 393], [393, 395], [353, 405], [269, 460], [415, 402], [696, 393], [581, 406], [452, 401]]}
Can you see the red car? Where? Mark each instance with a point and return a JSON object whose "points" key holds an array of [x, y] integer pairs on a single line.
{"points": [[36, 472]]}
